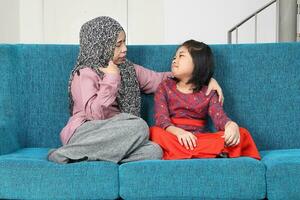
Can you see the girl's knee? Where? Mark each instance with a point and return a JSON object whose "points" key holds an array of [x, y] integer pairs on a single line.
{"points": [[244, 134], [155, 131], [243, 131]]}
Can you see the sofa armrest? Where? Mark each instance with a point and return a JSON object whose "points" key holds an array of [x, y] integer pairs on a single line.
{"points": [[8, 137]]}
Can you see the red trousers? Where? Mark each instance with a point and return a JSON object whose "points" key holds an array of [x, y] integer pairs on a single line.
{"points": [[209, 145]]}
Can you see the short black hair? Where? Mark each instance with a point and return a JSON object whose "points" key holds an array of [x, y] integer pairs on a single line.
{"points": [[203, 63]]}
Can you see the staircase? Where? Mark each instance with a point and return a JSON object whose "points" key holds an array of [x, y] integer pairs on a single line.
{"points": [[287, 21]]}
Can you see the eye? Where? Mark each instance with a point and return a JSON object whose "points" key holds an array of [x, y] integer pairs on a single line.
{"points": [[174, 58], [119, 44]]}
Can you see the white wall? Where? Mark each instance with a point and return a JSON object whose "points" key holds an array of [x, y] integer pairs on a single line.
{"points": [[209, 21], [31, 21], [9, 21], [146, 22], [63, 18]]}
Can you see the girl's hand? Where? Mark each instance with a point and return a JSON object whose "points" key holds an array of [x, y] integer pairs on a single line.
{"points": [[110, 69], [232, 134], [185, 138], [213, 85]]}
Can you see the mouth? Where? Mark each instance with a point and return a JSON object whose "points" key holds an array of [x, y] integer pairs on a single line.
{"points": [[123, 58], [174, 69]]}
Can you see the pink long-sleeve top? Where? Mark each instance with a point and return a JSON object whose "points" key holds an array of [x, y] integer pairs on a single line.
{"points": [[95, 98]]}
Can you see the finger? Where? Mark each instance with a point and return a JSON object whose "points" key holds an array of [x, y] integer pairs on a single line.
{"points": [[226, 136], [180, 141], [229, 140], [194, 138], [190, 143], [237, 138], [238, 132], [208, 91], [101, 69], [233, 143], [221, 97], [236, 142], [185, 143]]}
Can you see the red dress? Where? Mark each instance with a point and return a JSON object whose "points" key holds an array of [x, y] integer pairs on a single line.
{"points": [[189, 111]]}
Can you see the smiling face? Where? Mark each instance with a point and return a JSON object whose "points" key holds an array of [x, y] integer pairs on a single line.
{"points": [[121, 49], [182, 65]]}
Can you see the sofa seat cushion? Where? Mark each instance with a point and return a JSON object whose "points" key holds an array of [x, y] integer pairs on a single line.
{"points": [[283, 173], [27, 174], [238, 178]]}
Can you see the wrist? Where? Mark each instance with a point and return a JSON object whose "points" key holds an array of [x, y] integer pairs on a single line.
{"points": [[228, 123], [173, 130]]}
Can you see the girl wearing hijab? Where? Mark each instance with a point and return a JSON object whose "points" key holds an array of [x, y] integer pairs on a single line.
{"points": [[105, 102]]}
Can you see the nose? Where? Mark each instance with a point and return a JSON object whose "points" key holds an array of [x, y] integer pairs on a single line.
{"points": [[124, 48]]}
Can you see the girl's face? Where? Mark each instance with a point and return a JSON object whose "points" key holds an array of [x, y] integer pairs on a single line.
{"points": [[121, 49], [182, 65]]}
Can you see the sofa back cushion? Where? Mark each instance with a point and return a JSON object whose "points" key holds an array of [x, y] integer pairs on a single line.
{"points": [[260, 83]]}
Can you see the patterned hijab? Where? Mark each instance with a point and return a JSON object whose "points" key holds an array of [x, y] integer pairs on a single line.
{"points": [[98, 39]]}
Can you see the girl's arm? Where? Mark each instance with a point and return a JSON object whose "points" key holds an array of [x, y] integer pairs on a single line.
{"points": [[222, 122], [213, 85], [216, 112], [93, 94], [148, 79], [161, 109]]}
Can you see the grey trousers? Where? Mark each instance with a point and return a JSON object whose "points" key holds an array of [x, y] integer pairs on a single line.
{"points": [[122, 138]]}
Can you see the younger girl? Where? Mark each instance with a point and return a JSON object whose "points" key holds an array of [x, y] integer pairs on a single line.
{"points": [[181, 107]]}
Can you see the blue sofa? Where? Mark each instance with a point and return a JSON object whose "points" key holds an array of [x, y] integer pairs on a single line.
{"points": [[261, 83]]}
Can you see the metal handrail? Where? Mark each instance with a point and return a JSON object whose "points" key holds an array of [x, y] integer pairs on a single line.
{"points": [[229, 34], [298, 20]]}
